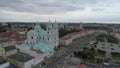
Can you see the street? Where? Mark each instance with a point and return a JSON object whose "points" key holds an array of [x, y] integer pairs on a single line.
{"points": [[77, 45]]}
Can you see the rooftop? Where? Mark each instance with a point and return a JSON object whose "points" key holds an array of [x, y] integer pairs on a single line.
{"points": [[9, 48], [2, 60], [67, 36], [82, 66], [3, 40], [21, 57]]}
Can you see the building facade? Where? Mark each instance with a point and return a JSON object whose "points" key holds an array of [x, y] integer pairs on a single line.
{"points": [[40, 43], [43, 40]]}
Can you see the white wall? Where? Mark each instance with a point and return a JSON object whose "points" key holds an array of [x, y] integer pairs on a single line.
{"points": [[117, 35], [28, 64], [4, 65], [65, 42]]}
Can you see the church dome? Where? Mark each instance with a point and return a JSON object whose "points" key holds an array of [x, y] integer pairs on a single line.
{"points": [[31, 32], [37, 27]]}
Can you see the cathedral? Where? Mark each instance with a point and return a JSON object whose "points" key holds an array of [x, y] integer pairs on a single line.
{"points": [[42, 40]]}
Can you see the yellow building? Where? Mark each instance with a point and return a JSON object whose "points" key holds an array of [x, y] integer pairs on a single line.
{"points": [[7, 47], [8, 50], [6, 42]]}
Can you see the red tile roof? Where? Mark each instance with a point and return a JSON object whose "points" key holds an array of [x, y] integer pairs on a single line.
{"points": [[8, 33], [19, 39], [68, 36], [65, 37], [82, 66]]}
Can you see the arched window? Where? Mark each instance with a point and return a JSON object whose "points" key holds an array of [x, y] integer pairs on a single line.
{"points": [[52, 25], [39, 37], [30, 42], [27, 42], [48, 38], [32, 37], [54, 38]]}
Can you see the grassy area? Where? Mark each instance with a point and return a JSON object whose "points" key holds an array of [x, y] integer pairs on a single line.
{"points": [[51, 58], [95, 60], [111, 39], [99, 53], [116, 56]]}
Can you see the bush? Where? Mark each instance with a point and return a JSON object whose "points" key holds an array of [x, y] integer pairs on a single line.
{"points": [[111, 39], [115, 53], [100, 51]]}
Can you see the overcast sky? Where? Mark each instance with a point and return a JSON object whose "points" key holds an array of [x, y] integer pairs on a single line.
{"points": [[64, 10]]}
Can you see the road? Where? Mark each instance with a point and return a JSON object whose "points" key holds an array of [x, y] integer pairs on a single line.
{"points": [[111, 65], [78, 44]]}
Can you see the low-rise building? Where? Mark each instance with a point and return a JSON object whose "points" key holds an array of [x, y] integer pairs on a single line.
{"points": [[8, 50], [72, 62], [3, 63], [66, 40], [21, 60], [6, 42], [8, 33], [69, 38], [7, 47]]}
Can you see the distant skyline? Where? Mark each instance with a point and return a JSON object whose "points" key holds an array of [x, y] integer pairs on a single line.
{"points": [[98, 11]]}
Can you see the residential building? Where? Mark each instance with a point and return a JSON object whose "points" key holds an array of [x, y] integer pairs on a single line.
{"points": [[3, 63], [21, 60], [6, 42], [69, 38]]}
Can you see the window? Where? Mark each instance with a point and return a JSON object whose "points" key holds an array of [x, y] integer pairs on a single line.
{"points": [[40, 37], [54, 38], [111, 45], [48, 28], [103, 47], [52, 25], [112, 49], [30, 42], [48, 38], [32, 37]]}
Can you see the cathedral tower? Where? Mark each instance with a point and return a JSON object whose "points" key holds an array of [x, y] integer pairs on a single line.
{"points": [[53, 34]]}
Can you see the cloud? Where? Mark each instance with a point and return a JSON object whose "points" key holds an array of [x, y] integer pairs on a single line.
{"points": [[39, 6], [47, 6], [15, 10]]}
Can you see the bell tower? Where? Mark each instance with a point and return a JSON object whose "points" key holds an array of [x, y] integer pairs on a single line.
{"points": [[52, 31]]}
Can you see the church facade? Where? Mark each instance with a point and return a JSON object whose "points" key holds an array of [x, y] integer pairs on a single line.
{"points": [[39, 39]]}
